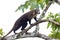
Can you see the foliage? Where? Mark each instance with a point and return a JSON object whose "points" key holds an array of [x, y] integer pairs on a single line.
{"points": [[55, 34], [32, 4], [55, 28], [1, 32]]}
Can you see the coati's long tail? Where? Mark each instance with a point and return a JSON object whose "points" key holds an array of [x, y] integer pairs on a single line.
{"points": [[7, 34]]}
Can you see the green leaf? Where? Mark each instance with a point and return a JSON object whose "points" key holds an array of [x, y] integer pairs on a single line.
{"points": [[27, 3], [58, 27], [49, 24], [42, 6], [34, 5], [56, 15], [20, 7], [53, 27], [40, 1], [51, 15], [46, 1], [23, 9], [57, 19], [1, 32]]}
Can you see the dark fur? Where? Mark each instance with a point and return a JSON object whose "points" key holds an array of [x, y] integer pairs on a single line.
{"points": [[22, 21]]}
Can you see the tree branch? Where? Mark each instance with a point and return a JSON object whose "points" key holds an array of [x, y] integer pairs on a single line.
{"points": [[45, 10], [42, 15], [45, 20], [13, 37], [33, 34]]}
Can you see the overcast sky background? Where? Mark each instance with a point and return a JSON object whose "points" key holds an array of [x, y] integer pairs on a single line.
{"points": [[8, 16]]}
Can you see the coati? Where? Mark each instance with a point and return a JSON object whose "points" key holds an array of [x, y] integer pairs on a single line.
{"points": [[22, 21]]}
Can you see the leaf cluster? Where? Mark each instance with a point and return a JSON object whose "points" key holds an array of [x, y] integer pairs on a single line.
{"points": [[55, 28], [1, 32], [33, 4]]}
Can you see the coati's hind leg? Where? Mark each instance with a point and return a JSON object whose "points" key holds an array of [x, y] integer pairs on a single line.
{"points": [[24, 26], [16, 28], [14, 31]]}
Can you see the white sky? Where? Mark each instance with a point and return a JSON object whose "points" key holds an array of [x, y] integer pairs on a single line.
{"points": [[8, 15]]}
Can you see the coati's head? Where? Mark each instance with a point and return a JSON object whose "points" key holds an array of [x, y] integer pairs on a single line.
{"points": [[37, 11], [33, 13]]}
